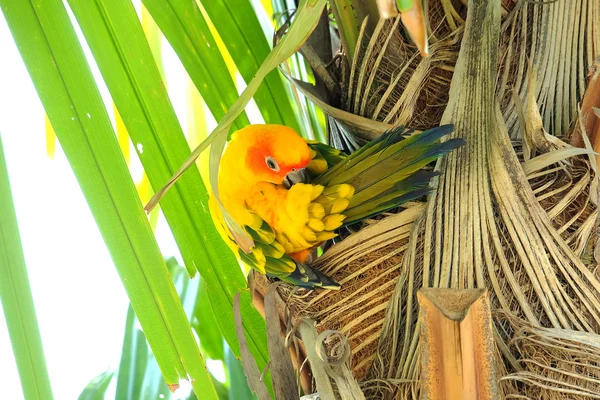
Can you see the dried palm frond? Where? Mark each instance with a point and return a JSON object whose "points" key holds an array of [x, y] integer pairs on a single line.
{"points": [[367, 265], [458, 356], [329, 355], [388, 82], [556, 363], [484, 226], [561, 40], [590, 112], [514, 217], [564, 180]]}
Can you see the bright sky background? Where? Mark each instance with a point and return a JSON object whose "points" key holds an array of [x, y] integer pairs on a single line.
{"points": [[80, 302]]}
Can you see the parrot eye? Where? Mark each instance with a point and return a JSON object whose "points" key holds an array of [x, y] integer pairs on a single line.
{"points": [[272, 164]]}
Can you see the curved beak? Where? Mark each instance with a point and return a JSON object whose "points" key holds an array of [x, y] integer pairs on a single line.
{"points": [[295, 176]]}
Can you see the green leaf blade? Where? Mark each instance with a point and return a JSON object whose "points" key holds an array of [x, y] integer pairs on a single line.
{"points": [[96, 389], [205, 324], [184, 27], [249, 48], [116, 39], [118, 44], [17, 300], [55, 61], [308, 14], [134, 358]]}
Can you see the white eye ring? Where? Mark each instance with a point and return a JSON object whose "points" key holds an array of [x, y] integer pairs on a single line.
{"points": [[272, 164]]}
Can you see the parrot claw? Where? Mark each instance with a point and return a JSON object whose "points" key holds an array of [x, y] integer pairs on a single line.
{"points": [[310, 278]]}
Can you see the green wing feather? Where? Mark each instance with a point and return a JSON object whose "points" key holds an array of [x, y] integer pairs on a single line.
{"points": [[387, 171], [323, 157], [268, 255]]}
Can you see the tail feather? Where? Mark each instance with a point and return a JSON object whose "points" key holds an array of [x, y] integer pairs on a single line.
{"points": [[391, 197], [373, 147], [388, 171], [392, 153], [372, 211]]}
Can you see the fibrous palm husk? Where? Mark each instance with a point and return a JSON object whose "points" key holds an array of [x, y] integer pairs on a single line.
{"points": [[557, 41], [389, 81], [519, 224], [367, 265], [561, 40], [564, 180], [555, 363], [484, 227]]}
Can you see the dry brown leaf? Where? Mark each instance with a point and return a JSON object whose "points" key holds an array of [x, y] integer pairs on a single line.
{"points": [[484, 227], [557, 363], [253, 375], [457, 345], [280, 364]]}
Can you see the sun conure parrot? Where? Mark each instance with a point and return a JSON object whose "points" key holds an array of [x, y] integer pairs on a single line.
{"points": [[291, 195]]}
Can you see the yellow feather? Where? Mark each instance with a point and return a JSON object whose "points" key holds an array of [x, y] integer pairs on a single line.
{"points": [[317, 166], [316, 224], [339, 206], [323, 236], [287, 246], [256, 259], [343, 190], [333, 221], [274, 250], [309, 234], [316, 210], [316, 191], [283, 267], [256, 222]]}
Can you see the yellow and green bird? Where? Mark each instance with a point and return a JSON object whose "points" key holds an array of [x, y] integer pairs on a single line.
{"points": [[291, 195]]}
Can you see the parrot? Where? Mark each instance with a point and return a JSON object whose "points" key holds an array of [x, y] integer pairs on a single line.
{"points": [[290, 195]]}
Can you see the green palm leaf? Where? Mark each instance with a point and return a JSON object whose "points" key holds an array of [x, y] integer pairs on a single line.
{"points": [[96, 389], [184, 26], [243, 35], [17, 301], [117, 41], [55, 61]]}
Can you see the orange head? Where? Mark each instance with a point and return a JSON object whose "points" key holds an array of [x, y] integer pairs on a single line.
{"points": [[267, 153]]}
